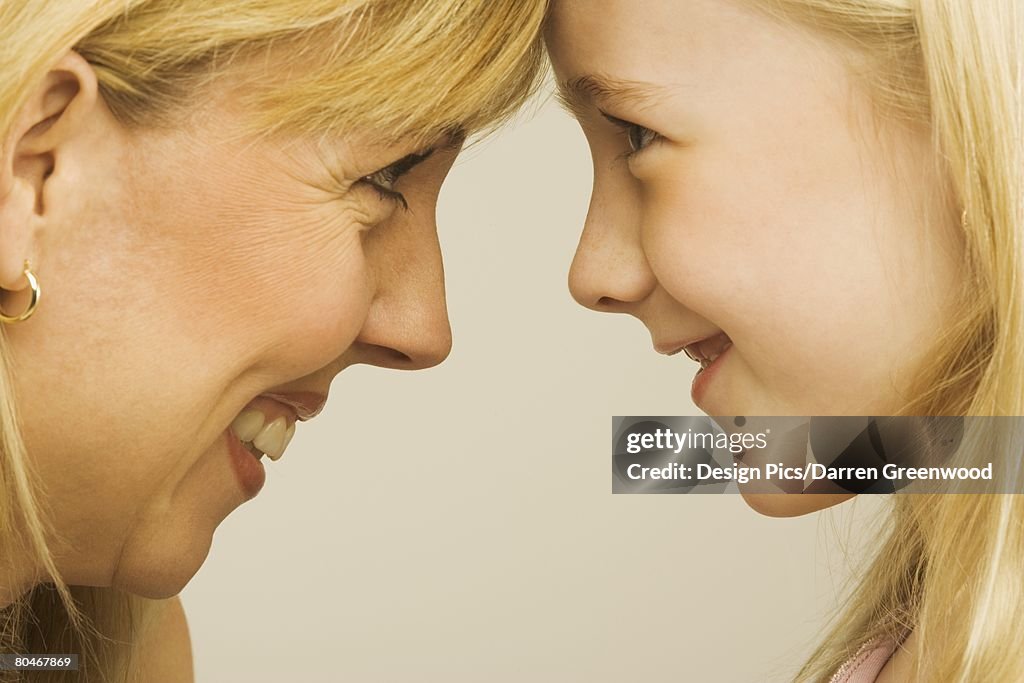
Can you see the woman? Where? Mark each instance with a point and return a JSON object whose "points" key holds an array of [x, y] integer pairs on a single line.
{"points": [[820, 201], [226, 205]]}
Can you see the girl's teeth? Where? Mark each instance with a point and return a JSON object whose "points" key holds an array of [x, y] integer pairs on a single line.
{"points": [[248, 424], [271, 439]]}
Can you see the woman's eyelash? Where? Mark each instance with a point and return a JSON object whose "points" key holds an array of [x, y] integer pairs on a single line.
{"points": [[639, 137], [383, 181]]}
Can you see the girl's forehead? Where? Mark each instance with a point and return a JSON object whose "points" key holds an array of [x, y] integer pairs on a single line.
{"points": [[654, 41]]}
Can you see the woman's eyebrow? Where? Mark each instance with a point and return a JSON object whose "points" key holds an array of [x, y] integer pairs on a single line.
{"points": [[449, 141], [455, 137], [411, 161], [577, 94]]}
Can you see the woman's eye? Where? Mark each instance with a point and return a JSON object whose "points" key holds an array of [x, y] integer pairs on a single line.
{"points": [[383, 183]]}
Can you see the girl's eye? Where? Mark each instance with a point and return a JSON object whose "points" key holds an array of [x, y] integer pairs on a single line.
{"points": [[638, 136]]}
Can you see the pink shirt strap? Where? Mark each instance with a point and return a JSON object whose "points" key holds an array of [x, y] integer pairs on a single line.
{"points": [[866, 664]]}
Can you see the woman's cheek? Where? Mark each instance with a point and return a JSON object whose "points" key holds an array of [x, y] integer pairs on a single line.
{"points": [[324, 311], [295, 290]]}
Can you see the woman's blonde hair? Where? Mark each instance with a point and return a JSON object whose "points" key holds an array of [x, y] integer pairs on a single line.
{"points": [[399, 69], [952, 566]]}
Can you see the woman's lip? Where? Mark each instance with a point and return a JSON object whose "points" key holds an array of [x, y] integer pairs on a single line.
{"points": [[307, 404], [699, 387], [248, 469]]}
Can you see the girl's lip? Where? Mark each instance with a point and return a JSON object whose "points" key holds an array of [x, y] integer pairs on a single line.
{"points": [[307, 404], [672, 348], [708, 348], [699, 387]]}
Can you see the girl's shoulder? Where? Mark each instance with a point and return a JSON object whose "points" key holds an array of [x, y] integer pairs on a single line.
{"points": [[865, 665]]}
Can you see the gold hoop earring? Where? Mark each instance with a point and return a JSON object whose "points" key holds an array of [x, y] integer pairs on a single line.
{"points": [[27, 313]]}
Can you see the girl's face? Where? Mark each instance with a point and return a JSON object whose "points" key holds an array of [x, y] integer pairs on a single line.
{"points": [[744, 195], [186, 274]]}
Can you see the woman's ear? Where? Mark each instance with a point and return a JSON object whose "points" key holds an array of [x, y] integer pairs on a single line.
{"points": [[50, 116]]}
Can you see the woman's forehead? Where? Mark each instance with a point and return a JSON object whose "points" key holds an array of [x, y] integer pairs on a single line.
{"points": [[404, 69]]}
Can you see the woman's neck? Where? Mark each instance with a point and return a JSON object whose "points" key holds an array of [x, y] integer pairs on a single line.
{"points": [[16, 579]]}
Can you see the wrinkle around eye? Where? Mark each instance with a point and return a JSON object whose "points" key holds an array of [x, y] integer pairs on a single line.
{"points": [[332, 221], [371, 209], [357, 196], [354, 198], [360, 208]]}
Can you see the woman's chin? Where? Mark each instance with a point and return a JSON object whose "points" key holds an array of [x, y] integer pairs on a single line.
{"points": [[792, 504], [162, 571]]}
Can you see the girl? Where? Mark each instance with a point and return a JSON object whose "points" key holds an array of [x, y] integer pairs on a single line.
{"points": [[821, 202]]}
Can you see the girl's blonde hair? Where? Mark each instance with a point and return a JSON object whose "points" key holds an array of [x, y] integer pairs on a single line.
{"points": [[402, 70], [952, 566]]}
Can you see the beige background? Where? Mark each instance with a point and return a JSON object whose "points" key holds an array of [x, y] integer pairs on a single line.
{"points": [[457, 524]]}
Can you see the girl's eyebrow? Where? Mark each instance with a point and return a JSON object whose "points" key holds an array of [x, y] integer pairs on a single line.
{"points": [[577, 94]]}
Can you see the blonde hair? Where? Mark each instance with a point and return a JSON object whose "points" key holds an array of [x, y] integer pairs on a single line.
{"points": [[405, 70], [952, 566]]}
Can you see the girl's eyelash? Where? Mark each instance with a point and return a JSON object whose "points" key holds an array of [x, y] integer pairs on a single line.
{"points": [[630, 129]]}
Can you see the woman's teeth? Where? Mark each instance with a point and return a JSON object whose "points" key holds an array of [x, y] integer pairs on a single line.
{"points": [[270, 439]]}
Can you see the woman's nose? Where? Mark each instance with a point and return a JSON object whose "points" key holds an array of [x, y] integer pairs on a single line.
{"points": [[407, 340], [610, 271], [421, 332], [407, 325]]}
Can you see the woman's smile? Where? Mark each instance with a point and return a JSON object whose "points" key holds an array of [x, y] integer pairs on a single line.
{"points": [[266, 427]]}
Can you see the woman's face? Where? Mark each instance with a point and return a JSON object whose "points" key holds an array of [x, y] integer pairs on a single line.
{"points": [[185, 273], [742, 195]]}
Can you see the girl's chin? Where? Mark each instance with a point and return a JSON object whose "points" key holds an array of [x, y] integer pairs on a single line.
{"points": [[792, 504]]}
